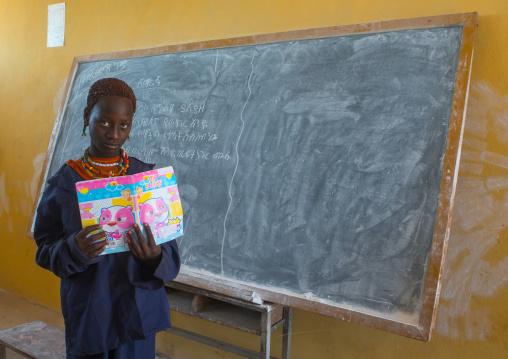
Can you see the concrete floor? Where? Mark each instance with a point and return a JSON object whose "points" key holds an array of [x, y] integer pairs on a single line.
{"points": [[15, 311]]}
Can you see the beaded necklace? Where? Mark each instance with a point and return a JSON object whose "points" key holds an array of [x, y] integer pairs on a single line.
{"points": [[90, 167]]}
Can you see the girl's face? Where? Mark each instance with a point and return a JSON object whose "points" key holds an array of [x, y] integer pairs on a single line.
{"points": [[110, 123]]}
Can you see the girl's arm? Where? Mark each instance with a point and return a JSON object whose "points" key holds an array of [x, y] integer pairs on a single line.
{"points": [[170, 263], [158, 264], [57, 251]]}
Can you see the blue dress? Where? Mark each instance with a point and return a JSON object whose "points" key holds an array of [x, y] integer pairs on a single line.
{"points": [[110, 300]]}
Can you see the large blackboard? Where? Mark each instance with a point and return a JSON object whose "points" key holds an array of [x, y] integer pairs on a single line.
{"points": [[310, 166]]}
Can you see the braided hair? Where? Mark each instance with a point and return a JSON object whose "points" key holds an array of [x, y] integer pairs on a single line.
{"points": [[109, 87]]}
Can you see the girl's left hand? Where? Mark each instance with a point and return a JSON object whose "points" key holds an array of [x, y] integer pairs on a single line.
{"points": [[146, 252]]}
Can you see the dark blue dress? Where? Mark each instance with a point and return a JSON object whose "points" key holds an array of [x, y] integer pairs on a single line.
{"points": [[107, 301]]}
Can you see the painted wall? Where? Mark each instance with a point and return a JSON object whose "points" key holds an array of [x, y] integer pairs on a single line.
{"points": [[473, 315]]}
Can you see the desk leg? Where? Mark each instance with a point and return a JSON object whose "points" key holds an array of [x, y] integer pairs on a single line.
{"points": [[286, 332], [266, 332], [3, 355]]}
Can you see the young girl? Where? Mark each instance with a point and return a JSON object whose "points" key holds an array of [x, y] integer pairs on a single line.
{"points": [[112, 304]]}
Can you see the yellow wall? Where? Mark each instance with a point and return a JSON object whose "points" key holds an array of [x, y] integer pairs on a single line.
{"points": [[473, 315]]}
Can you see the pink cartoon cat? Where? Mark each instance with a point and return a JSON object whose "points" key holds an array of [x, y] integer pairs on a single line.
{"points": [[116, 220], [154, 212], [175, 195], [84, 210]]}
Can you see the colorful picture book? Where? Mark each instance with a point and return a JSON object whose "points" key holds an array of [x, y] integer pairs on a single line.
{"points": [[118, 202]]}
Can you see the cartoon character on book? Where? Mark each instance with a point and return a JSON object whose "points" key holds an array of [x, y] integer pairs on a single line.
{"points": [[156, 213], [116, 220], [84, 210]]}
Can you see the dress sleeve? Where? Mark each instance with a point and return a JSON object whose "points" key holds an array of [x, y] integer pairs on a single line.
{"points": [[167, 270], [170, 263], [57, 250]]}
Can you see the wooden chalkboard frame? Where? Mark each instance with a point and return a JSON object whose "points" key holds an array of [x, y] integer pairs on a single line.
{"points": [[423, 328]]}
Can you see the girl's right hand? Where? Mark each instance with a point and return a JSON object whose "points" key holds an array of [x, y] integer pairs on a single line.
{"points": [[85, 242]]}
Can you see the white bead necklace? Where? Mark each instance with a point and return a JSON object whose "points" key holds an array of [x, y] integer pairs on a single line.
{"points": [[106, 164]]}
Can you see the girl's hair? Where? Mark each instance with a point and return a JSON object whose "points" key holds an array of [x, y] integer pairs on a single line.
{"points": [[109, 87]]}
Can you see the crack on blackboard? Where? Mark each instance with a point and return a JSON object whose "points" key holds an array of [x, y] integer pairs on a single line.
{"points": [[236, 166]]}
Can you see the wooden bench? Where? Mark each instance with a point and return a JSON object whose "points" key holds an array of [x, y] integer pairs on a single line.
{"points": [[36, 340]]}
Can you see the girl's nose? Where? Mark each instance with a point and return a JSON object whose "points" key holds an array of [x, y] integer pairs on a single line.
{"points": [[113, 133]]}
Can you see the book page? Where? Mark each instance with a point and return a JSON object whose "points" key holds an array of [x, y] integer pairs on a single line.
{"points": [[158, 203], [117, 203]]}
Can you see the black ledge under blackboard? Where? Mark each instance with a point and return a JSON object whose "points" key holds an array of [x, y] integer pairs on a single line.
{"points": [[310, 170]]}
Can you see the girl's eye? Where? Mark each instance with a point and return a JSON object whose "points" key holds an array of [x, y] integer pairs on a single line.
{"points": [[104, 123], [124, 126]]}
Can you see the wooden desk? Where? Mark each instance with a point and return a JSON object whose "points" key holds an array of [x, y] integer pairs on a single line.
{"points": [[258, 319]]}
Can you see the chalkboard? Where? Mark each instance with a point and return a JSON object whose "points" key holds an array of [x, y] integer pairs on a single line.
{"points": [[311, 169]]}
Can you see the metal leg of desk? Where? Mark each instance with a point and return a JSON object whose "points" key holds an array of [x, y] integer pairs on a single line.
{"points": [[286, 332], [266, 334]]}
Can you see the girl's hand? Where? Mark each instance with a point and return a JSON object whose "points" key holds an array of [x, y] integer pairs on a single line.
{"points": [[84, 242], [146, 252]]}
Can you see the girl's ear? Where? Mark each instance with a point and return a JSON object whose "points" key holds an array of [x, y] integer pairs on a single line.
{"points": [[86, 116]]}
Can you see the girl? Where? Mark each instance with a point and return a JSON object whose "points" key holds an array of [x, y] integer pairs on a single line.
{"points": [[113, 304]]}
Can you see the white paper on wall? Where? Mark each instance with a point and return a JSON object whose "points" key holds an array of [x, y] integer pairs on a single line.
{"points": [[56, 25]]}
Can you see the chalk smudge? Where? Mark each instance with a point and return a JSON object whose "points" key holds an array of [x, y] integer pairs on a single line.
{"points": [[38, 163], [479, 216], [4, 199]]}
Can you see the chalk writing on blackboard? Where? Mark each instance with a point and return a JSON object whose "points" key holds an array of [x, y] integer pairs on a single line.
{"points": [[310, 169], [320, 157]]}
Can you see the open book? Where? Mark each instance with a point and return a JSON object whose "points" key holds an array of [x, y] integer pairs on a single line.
{"points": [[118, 202]]}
